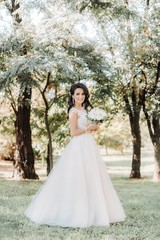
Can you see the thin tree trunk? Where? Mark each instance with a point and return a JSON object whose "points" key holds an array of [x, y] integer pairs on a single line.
{"points": [[49, 158], [49, 146], [136, 154]]}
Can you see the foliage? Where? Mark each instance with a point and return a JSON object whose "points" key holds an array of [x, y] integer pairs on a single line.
{"points": [[113, 47], [115, 134]]}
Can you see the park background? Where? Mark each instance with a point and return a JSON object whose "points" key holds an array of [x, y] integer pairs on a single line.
{"points": [[111, 46]]}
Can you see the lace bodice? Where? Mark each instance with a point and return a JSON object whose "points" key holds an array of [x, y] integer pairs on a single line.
{"points": [[82, 117]]}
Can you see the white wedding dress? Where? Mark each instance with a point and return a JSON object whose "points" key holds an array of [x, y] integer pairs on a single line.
{"points": [[78, 192]]}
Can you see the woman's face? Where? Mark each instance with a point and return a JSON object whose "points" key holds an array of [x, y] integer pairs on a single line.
{"points": [[79, 96]]}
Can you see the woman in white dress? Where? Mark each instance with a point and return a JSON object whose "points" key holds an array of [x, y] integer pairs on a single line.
{"points": [[78, 191]]}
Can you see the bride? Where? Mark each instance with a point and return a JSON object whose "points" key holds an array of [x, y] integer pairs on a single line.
{"points": [[78, 191]]}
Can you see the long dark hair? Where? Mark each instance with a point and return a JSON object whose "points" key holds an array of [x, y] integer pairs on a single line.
{"points": [[86, 102]]}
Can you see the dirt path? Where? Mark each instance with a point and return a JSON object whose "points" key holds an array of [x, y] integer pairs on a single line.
{"points": [[6, 169]]}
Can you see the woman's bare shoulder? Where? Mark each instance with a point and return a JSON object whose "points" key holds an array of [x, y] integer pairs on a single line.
{"points": [[73, 112]]}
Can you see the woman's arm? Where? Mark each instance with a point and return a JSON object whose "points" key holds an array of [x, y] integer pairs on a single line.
{"points": [[74, 130]]}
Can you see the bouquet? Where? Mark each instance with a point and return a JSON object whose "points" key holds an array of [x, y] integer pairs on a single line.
{"points": [[96, 115]]}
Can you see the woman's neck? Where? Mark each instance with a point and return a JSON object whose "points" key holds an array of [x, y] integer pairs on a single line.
{"points": [[78, 106]]}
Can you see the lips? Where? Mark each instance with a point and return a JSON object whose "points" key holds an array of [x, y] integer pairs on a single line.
{"points": [[80, 100]]}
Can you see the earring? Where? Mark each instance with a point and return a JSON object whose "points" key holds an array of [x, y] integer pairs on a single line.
{"points": [[73, 101]]}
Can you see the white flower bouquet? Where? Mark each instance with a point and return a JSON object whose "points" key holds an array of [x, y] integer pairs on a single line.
{"points": [[96, 115]]}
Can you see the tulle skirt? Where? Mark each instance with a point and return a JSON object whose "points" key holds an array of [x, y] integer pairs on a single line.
{"points": [[78, 191]]}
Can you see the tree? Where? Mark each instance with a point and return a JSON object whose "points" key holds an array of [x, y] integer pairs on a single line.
{"points": [[121, 40], [49, 97], [149, 75], [25, 162], [123, 25]]}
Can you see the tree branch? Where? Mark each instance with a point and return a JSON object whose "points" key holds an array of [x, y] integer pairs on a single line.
{"points": [[143, 92], [13, 103], [128, 107], [15, 6], [157, 77], [97, 3], [148, 120], [47, 82], [134, 98], [156, 127], [43, 92]]}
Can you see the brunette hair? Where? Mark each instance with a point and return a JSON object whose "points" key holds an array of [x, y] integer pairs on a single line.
{"points": [[86, 102]]}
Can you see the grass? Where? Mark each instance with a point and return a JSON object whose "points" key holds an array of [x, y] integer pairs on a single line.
{"points": [[140, 199]]}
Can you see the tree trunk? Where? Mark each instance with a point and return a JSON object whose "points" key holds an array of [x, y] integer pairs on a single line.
{"points": [[156, 175], [136, 154], [156, 144], [25, 161], [154, 132], [49, 158], [134, 118]]}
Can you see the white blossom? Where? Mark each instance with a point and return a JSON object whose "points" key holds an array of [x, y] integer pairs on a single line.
{"points": [[96, 115]]}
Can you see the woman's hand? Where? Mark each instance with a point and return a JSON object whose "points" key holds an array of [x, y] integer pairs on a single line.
{"points": [[93, 127]]}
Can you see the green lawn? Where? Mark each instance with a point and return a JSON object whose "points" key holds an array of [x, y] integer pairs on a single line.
{"points": [[140, 198]]}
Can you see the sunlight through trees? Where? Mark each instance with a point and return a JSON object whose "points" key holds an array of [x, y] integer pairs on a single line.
{"points": [[112, 46]]}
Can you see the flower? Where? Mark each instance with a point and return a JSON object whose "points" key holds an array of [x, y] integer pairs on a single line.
{"points": [[96, 115]]}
